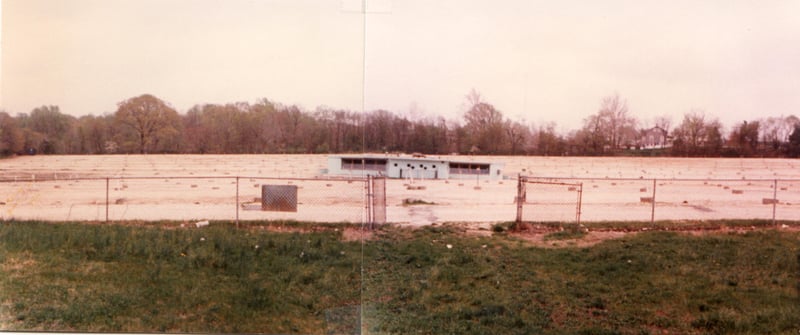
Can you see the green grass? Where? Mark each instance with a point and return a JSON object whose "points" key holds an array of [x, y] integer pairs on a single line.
{"points": [[215, 279], [153, 278], [648, 283]]}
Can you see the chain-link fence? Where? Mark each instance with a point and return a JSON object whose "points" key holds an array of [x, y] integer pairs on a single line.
{"points": [[378, 200], [625, 199], [189, 198]]}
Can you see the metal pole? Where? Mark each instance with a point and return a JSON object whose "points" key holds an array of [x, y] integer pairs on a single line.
{"points": [[371, 201], [367, 211], [580, 202], [520, 196], [774, 199], [653, 204], [237, 201], [106, 199]]}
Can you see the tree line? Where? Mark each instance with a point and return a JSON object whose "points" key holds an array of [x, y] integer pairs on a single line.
{"points": [[147, 124]]}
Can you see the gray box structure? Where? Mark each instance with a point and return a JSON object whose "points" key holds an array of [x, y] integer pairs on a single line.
{"points": [[279, 198]]}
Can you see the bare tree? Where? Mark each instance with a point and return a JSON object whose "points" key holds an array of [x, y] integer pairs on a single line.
{"points": [[696, 136], [547, 142], [611, 127], [593, 135], [517, 134], [620, 126], [663, 122], [775, 132]]}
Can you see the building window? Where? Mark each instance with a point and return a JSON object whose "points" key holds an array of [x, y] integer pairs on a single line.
{"points": [[372, 164], [469, 168]]}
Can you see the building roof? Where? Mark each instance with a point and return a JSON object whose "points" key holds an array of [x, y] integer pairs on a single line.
{"points": [[411, 158]]}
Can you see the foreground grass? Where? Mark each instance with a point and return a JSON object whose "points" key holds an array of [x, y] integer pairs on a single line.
{"points": [[644, 284], [431, 281], [216, 279]]}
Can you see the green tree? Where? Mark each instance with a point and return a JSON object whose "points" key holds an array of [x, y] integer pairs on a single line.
{"points": [[155, 124], [47, 130], [485, 123], [794, 142], [744, 138], [11, 140]]}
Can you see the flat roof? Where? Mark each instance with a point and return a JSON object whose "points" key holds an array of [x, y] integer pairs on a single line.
{"points": [[411, 158]]}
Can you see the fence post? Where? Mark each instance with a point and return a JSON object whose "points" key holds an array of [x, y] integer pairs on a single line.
{"points": [[369, 203], [520, 192], [580, 203], [107, 199], [237, 201], [774, 199], [653, 204]]}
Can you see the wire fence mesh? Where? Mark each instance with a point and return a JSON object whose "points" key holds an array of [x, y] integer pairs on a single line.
{"points": [[359, 200], [627, 199], [562, 200], [181, 198]]}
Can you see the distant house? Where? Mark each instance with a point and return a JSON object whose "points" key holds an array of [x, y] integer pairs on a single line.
{"points": [[405, 167], [654, 138]]}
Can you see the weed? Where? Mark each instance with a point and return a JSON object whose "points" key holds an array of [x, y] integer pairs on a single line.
{"points": [[415, 202]]}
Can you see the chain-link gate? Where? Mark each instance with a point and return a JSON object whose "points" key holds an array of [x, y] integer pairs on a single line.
{"points": [[376, 197], [560, 197]]}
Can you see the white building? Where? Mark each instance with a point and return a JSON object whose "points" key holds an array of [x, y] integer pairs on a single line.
{"points": [[655, 138], [412, 167]]}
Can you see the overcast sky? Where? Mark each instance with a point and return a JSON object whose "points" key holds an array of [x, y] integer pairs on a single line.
{"points": [[537, 61]]}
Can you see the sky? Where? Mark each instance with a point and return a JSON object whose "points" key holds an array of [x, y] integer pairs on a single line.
{"points": [[537, 61]]}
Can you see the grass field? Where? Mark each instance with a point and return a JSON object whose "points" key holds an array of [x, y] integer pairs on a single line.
{"points": [[431, 280]]}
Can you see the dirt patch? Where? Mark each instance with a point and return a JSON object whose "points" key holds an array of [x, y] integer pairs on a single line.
{"points": [[13, 264], [591, 238], [348, 234], [352, 234], [535, 234]]}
